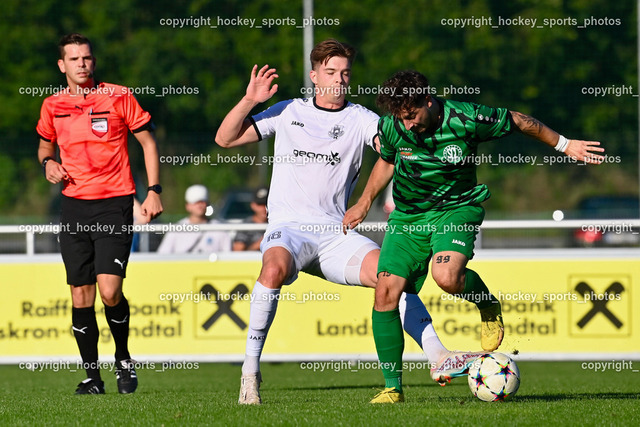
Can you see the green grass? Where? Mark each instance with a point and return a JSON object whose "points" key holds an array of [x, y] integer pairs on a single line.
{"points": [[558, 393]]}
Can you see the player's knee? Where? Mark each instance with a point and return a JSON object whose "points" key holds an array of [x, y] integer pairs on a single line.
{"points": [[387, 296], [272, 275], [83, 296], [449, 281], [111, 297]]}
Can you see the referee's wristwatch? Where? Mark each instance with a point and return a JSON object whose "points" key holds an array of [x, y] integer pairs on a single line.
{"points": [[44, 165], [157, 188]]}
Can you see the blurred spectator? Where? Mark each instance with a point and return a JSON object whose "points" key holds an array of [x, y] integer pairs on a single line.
{"points": [[250, 240], [177, 242]]}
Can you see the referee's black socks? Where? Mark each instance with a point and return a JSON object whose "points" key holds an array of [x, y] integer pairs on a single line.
{"points": [[85, 329], [118, 320]]}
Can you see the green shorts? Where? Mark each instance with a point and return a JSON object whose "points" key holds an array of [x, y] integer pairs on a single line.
{"points": [[411, 241]]}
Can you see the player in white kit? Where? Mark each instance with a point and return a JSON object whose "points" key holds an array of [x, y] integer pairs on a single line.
{"points": [[318, 152]]}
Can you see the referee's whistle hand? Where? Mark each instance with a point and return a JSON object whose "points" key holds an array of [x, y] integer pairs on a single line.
{"points": [[55, 172], [151, 207]]}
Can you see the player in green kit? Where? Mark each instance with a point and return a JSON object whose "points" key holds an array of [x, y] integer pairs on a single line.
{"points": [[428, 146]]}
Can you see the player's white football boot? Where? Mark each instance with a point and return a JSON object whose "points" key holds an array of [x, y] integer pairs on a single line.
{"points": [[453, 364], [250, 389]]}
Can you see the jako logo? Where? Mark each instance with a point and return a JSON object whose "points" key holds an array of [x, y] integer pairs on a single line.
{"points": [[458, 242]]}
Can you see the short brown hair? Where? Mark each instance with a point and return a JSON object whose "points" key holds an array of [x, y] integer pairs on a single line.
{"points": [[73, 38], [325, 50], [404, 91]]}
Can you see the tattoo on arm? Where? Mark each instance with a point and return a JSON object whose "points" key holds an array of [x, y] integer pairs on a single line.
{"points": [[529, 125], [443, 259], [385, 274]]}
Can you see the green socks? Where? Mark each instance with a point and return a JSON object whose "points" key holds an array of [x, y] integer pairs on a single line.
{"points": [[476, 291], [389, 339]]}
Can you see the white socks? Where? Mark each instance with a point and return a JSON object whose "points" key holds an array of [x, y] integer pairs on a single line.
{"points": [[416, 320], [264, 303]]}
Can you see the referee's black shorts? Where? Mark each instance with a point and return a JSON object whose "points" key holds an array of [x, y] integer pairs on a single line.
{"points": [[95, 237]]}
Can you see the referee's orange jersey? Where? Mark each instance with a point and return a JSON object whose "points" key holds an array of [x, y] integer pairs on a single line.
{"points": [[91, 130]]}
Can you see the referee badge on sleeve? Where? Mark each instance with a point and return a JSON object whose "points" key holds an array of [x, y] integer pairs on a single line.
{"points": [[99, 126]]}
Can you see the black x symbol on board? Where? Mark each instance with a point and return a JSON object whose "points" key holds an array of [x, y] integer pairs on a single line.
{"points": [[224, 305], [600, 305]]}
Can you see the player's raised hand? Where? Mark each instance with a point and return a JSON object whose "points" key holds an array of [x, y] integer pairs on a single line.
{"points": [[354, 216], [260, 86], [585, 151]]}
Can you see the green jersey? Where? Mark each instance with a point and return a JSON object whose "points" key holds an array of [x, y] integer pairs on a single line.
{"points": [[438, 171]]}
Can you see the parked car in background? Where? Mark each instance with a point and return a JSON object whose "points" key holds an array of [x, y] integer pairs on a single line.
{"points": [[607, 208], [235, 205]]}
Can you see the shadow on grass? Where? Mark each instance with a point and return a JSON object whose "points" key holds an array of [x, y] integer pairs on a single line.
{"points": [[378, 386], [332, 387], [576, 396], [534, 399]]}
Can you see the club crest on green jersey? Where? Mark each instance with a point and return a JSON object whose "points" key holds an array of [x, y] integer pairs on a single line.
{"points": [[452, 154]]}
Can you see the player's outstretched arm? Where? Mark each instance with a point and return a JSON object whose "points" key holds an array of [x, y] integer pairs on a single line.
{"points": [[236, 129], [585, 151], [378, 180], [152, 205]]}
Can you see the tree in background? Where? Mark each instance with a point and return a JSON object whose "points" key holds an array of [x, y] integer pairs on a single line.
{"points": [[540, 71]]}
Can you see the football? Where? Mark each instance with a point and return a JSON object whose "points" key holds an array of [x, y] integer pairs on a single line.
{"points": [[494, 377]]}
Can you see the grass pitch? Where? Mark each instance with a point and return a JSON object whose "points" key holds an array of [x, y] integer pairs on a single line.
{"points": [[551, 393]]}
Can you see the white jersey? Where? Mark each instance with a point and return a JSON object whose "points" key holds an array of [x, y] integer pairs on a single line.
{"points": [[317, 158]]}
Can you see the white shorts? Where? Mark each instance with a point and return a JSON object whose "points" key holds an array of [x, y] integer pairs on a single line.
{"points": [[320, 250]]}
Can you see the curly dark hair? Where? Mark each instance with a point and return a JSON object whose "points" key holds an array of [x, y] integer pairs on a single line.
{"points": [[404, 91]]}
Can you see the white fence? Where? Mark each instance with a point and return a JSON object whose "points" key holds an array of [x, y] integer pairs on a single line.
{"points": [[629, 226]]}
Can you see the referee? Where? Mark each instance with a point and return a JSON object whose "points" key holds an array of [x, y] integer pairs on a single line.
{"points": [[89, 123]]}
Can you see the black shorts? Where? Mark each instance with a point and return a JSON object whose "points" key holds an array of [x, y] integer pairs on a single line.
{"points": [[95, 237]]}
